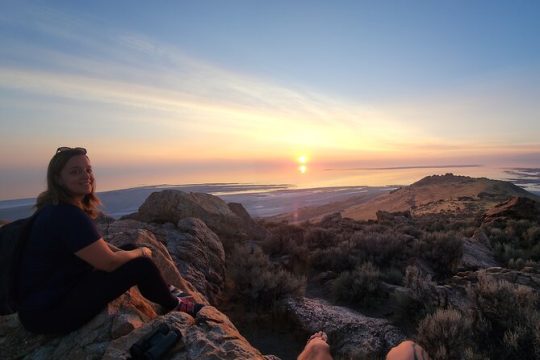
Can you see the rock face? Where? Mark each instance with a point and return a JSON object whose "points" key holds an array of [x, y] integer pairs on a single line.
{"points": [[160, 256], [530, 279], [515, 208], [352, 335], [174, 205], [454, 292], [194, 250], [199, 253], [252, 228], [109, 335], [477, 253]]}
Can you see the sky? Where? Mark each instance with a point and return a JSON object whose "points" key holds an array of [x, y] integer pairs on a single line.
{"points": [[198, 91]]}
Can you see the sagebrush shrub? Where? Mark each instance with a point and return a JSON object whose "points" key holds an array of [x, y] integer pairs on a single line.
{"points": [[446, 334], [443, 251], [507, 318], [259, 281], [359, 286]]}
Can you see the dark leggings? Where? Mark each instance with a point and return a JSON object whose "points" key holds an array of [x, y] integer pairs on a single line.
{"points": [[94, 292]]}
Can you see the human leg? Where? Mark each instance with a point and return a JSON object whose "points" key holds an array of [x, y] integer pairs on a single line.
{"points": [[316, 348], [95, 291]]}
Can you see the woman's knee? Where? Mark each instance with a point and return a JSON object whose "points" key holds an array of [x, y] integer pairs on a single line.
{"points": [[141, 268], [143, 262]]}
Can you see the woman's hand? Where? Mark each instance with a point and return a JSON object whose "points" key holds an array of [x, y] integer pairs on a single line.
{"points": [[145, 251], [99, 255]]}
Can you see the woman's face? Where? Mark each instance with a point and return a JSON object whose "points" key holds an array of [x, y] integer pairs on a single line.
{"points": [[77, 176]]}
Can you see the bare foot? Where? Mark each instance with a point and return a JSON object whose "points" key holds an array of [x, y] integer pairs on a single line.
{"points": [[320, 335], [316, 348]]}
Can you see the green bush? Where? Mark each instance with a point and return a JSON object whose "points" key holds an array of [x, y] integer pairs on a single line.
{"points": [[392, 276], [336, 259], [383, 249], [420, 299], [442, 250], [360, 286], [320, 238], [283, 238], [446, 334], [507, 318], [514, 239], [258, 281]]}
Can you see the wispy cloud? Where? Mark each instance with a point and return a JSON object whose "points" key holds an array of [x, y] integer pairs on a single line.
{"points": [[156, 88], [138, 73]]}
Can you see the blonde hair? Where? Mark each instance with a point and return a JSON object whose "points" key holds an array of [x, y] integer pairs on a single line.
{"points": [[56, 193]]}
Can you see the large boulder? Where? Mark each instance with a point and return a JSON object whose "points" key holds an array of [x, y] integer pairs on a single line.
{"points": [[352, 335], [477, 253], [210, 335], [198, 253], [173, 205], [161, 257], [255, 231], [195, 250]]}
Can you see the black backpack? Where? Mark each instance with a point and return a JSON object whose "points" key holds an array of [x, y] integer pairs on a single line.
{"points": [[13, 239]]}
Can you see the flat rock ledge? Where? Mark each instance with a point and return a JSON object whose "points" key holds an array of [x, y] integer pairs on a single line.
{"points": [[351, 335]]}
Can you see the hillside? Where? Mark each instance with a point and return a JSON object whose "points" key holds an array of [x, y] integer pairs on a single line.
{"points": [[430, 195]]}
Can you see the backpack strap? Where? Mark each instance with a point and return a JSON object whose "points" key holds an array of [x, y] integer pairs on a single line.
{"points": [[24, 236]]}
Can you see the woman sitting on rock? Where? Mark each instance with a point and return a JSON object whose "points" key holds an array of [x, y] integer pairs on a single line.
{"points": [[68, 273]]}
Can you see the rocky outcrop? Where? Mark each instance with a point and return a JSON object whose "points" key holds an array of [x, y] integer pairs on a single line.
{"points": [[195, 250], [109, 335], [455, 292], [255, 231], [173, 205], [210, 336], [477, 253], [352, 335], [120, 317], [527, 277], [160, 256], [199, 253], [515, 208]]}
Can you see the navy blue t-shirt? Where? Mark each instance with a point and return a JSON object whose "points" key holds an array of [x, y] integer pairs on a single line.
{"points": [[49, 267]]}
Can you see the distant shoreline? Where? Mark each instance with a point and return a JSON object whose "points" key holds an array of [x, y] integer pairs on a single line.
{"points": [[406, 167], [260, 200]]}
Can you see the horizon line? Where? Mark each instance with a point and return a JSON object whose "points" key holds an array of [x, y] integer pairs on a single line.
{"points": [[407, 167]]}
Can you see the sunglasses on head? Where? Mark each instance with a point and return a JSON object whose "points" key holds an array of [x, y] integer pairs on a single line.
{"points": [[66, 148]]}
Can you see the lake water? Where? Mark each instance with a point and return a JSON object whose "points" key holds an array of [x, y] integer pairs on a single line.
{"points": [[267, 193], [314, 177]]}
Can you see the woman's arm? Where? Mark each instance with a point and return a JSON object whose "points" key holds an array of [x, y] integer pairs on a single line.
{"points": [[99, 255]]}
